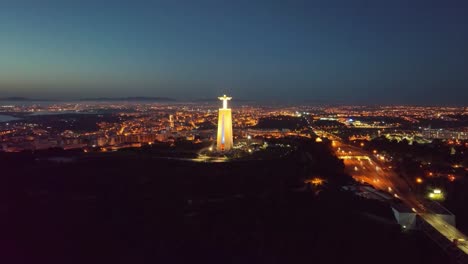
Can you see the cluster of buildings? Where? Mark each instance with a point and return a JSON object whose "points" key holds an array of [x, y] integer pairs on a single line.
{"points": [[445, 134], [132, 124], [410, 113], [412, 123]]}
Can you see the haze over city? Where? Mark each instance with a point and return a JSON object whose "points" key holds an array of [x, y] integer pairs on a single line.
{"points": [[364, 52]]}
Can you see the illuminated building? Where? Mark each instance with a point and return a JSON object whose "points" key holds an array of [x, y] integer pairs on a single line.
{"points": [[436, 195], [171, 121], [224, 138], [444, 134]]}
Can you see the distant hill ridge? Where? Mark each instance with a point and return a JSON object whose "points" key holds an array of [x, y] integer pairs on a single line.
{"points": [[17, 98], [153, 99]]}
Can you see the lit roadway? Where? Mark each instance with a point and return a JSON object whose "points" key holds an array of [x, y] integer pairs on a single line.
{"points": [[372, 169], [449, 231]]}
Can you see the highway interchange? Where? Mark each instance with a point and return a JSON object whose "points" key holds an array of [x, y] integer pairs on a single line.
{"points": [[374, 169]]}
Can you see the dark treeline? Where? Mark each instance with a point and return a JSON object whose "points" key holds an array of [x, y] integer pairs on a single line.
{"points": [[281, 122]]}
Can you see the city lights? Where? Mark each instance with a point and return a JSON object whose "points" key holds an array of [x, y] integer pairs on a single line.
{"points": [[315, 181], [451, 178], [234, 131]]}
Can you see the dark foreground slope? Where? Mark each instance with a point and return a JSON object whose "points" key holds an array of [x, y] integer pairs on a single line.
{"points": [[119, 208]]}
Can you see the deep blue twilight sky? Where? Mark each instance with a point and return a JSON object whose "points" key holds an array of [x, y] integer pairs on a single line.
{"points": [[389, 52]]}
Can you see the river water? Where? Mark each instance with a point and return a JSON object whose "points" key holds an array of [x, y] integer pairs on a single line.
{"points": [[6, 118]]}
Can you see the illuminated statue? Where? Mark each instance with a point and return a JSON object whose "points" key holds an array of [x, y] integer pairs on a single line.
{"points": [[224, 139]]}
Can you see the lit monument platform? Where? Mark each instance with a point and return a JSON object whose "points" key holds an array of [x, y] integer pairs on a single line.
{"points": [[224, 138]]}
